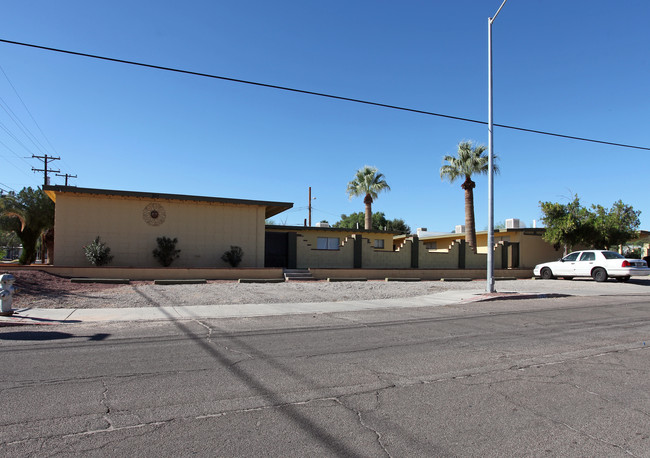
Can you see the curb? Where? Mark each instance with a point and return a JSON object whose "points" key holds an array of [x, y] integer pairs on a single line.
{"points": [[488, 297]]}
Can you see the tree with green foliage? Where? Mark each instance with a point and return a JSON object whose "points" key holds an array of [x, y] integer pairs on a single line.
{"points": [[469, 160], [571, 224], [398, 225], [614, 226], [8, 243], [567, 225], [367, 182], [29, 214], [379, 222]]}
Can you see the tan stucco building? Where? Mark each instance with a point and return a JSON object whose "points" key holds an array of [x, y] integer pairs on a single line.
{"points": [[522, 247], [130, 222], [306, 247]]}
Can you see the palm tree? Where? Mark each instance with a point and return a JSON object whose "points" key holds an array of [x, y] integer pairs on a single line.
{"points": [[470, 160], [29, 214], [367, 182]]}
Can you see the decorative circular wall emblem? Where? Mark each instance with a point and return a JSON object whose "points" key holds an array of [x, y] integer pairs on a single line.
{"points": [[154, 214]]}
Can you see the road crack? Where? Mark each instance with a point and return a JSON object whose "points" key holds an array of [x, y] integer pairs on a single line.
{"points": [[225, 347], [104, 403], [555, 421], [364, 424]]}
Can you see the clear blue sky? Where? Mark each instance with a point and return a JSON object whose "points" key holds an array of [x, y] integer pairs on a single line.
{"points": [[578, 68]]}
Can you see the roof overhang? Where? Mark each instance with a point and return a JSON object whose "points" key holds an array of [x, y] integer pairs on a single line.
{"points": [[272, 208]]}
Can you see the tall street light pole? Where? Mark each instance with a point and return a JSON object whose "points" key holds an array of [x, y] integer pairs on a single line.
{"points": [[490, 241]]}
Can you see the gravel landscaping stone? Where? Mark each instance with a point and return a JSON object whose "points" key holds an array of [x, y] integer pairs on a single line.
{"points": [[42, 290]]}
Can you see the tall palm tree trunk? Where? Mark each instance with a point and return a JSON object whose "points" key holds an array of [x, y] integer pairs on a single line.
{"points": [[368, 202], [470, 224]]}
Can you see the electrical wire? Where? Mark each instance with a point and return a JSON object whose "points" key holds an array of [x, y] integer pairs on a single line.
{"points": [[23, 128], [28, 112], [3, 127], [8, 187], [320, 94]]}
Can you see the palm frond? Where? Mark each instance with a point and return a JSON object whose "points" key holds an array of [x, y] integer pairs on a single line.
{"points": [[469, 160], [367, 181]]}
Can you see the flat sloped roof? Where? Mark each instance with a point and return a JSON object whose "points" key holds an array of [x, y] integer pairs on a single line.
{"points": [[330, 229], [272, 208]]}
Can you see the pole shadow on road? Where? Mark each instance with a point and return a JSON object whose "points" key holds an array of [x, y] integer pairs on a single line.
{"points": [[47, 335], [319, 433]]}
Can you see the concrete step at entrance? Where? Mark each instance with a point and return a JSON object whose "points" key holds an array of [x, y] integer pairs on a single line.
{"points": [[297, 275]]}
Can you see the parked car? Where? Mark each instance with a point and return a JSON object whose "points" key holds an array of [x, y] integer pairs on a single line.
{"points": [[598, 264]]}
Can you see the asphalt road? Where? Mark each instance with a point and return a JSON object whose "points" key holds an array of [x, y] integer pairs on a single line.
{"points": [[542, 377]]}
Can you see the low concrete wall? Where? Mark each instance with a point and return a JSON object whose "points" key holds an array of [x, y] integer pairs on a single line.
{"points": [[372, 258], [170, 273], [153, 273], [424, 274]]}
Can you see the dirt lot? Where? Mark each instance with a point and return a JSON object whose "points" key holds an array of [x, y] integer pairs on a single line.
{"points": [[43, 290], [34, 285]]}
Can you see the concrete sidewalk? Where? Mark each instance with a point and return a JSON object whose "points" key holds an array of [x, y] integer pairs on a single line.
{"points": [[67, 316]]}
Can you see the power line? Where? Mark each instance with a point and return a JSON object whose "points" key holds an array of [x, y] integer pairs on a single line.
{"points": [[18, 121], [319, 94], [7, 186], [6, 158]]}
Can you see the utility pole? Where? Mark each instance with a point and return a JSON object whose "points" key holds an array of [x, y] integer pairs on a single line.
{"points": [[45, 160], [490, 236], [310, 206], [66, 175]]}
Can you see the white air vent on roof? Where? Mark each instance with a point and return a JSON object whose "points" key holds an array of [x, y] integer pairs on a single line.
{"points": [[322, 224], [460, 228], [513, 223]]}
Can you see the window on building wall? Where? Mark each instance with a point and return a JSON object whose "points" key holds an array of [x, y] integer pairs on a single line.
{"points": [[327, 243], [379, 243], [431, 245]]}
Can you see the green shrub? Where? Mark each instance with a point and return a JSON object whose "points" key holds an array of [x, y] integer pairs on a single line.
{"points": [[166, 251], [97, 253], [233, 256]]}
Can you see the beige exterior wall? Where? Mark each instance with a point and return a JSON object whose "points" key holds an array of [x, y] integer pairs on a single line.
{"points": [[309, 256], [532, 248], [372, 258], [311, 234], [423, 274], [204, 230], [158, 273], [439, 258]]}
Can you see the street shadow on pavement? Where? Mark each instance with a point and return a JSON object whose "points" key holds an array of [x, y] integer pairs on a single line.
{"points": [[47, 335], [319, 433], [36, 320]]}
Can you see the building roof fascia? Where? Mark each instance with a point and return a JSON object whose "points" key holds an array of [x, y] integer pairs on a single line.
{"points": [[333, 229], [272, 208], [538, 230]]}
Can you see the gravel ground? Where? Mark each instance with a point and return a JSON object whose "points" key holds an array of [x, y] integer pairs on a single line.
{"points": [[43, 290]]}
